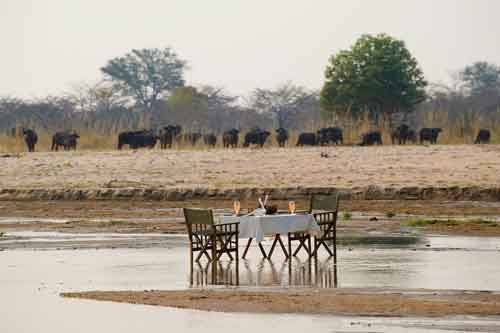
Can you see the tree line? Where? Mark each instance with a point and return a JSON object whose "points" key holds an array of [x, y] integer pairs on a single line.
{"points": [[376, 82]]}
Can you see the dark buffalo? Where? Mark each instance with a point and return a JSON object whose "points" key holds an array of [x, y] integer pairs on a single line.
{"points": [[401, 134], [412, 136], [168, 134], [281, 136], [230, 138], [137, 139], [256, 136], [30, 138], [210, 140], [330, 135], [67, 140], [307, 139], [371, 138], [429, 134], [483, 136], [191, 138]]}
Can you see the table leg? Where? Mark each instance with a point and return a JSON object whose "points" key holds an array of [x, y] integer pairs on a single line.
{"points": [[263, 251], [283, 247], [247, 247], [277, 239], [273, 246]]}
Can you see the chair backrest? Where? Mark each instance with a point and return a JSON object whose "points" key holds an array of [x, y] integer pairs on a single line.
{"points": [[324, 203], [198, 219], [198, 216]]}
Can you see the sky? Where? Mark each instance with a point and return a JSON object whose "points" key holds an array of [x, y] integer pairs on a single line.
{"points": [[48, 46]]}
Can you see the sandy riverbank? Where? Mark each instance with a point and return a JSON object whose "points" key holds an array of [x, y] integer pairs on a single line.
{"points": [[359, 302], [348, 167]]}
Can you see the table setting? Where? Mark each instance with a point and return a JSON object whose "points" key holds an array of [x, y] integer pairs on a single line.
{"points": [[267, 221]]}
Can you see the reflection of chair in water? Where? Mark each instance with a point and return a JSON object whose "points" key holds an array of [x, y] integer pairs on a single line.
{"points": [[199, 276], [325, 274], [325, 210], [210, 239]]}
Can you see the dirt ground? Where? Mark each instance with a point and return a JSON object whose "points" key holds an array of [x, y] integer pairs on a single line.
{"points": [[360, 302], [395, 166]]}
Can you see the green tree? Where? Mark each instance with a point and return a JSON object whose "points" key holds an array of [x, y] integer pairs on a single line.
{"points": [[377, 75], [480, 77], [146, 75]]}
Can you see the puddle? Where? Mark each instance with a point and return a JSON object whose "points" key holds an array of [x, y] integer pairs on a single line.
{"points": [[30, 282]]}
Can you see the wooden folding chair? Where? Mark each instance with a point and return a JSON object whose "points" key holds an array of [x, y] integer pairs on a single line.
{"points": [[209, 239], [324, 208]]}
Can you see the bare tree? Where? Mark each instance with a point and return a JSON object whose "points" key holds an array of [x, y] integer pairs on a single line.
{"points": [[281, 103]]}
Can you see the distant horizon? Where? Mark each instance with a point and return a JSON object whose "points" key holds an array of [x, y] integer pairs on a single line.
{"points": [[50, 45]]}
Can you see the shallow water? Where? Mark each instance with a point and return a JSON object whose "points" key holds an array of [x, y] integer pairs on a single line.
{"points": [[30, 282]]}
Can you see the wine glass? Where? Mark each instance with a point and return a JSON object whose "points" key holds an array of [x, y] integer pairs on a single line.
{"points": [[236, 207], [291, 207]]}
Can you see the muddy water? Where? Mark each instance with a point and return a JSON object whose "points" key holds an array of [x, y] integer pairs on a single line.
{"points": [[30, 282]]}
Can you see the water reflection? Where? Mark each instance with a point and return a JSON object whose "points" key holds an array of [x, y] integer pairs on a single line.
{"points": [[267, 273]]}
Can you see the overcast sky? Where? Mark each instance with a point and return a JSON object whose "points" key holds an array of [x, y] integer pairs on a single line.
{"points": [[47, 45]]}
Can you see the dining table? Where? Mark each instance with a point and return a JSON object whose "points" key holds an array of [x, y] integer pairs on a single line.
{"points": [[256, 225]]}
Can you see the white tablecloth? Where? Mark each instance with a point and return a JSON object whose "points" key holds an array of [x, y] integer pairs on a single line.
{"points": [[258, 226]]}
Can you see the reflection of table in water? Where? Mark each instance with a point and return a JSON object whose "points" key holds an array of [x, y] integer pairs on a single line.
{"points": [[267, 272], [256, 227]]}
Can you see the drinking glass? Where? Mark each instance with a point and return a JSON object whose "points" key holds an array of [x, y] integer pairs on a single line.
{"points": [[291, 207], [236, 207]]}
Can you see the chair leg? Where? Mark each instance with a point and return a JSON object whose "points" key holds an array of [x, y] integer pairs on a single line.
{"points": [[191, 268], [214, 260], [289, 245], [237, 262], [309, 246], [335, 245]]}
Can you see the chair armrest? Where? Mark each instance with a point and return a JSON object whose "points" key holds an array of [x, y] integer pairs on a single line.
{"points": [[226, 224], [326, 212]]}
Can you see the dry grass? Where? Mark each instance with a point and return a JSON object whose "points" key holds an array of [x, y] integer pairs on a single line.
{"points": [[459, 133]]}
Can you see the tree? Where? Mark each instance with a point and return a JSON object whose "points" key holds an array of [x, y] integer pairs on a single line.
{"points": [[282, 102], [480, 77], [95, 97], [377, 75], [146, 75]]}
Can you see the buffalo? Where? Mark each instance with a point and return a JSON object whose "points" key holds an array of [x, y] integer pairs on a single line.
{"points": [[67, 140], [256, 136], [281, 136], [210, 140], [137, 139], [191, 138], [307, 139], [30, 138], [429, 134], [330, 135], [401, 134], [412, 136], [483, 136], [230, 138], [167, 134], [371, 138]]}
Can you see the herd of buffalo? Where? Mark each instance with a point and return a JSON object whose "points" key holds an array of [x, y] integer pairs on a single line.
{"points": [[167, 135]]}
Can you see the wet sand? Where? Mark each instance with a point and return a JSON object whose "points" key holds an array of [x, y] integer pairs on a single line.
{"points": [[126, 217], [360, 302]]}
